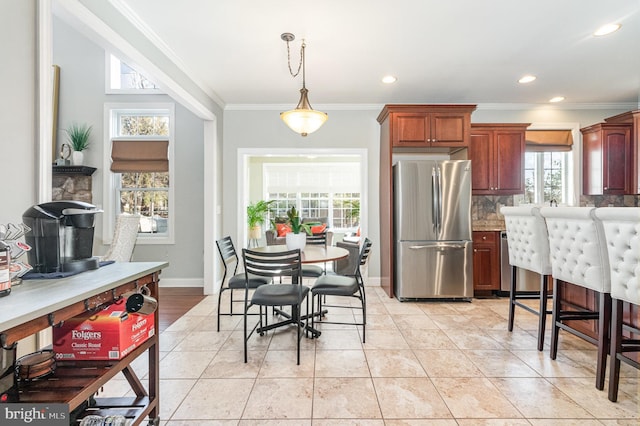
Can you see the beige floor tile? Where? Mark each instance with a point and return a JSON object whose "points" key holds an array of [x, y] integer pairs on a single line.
{"points": [[537, 398], [203, 341], [428, 339], [474, 398], [282, 363], [380, 322], [420, 422], [199, 423], [500, 363], [493, 422], [516, 339], [206, 401], [235, 342], [170, 339], [339, 340], [415, 322], [472, 339], [447, 363], [280, 399], [564, 422], [437, 308], [186, 323], [206, 306], [344, 398], [560, 367], [410, 398], [184, 365], [348, 422], [230, 365], [406, 308], [347, 363], [393, 363], [584, 392], [454, 321], [385, 339], [278, 422], [172, 393]]}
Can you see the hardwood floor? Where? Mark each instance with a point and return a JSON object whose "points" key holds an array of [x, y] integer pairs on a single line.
{"points": [[175, 302]]}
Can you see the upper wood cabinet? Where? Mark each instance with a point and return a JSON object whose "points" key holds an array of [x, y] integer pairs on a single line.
{"points": [[496, 152], [633, 151], [413, 129], [605, 148]]}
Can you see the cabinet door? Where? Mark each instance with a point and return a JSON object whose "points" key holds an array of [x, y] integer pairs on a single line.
{"points": [[410, 129], [481, 155], [614, 170], [448, 130], [486, 267], [509, 164]]}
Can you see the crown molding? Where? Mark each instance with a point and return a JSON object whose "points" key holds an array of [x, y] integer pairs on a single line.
{"points": [[318, 107]]}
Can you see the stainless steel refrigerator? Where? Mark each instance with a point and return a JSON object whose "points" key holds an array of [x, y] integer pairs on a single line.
{"points": [[432, 229]]}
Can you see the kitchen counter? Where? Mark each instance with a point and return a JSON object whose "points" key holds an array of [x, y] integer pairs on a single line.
{"points": [[488, 225]]}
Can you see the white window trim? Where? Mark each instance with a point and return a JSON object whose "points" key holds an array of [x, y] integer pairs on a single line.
{"points": [[110, 182], [108, 74], [574, 175]]}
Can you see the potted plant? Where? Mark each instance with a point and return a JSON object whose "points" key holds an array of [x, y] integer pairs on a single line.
{"points": [[78, 135], [256, 213], [296, 239]]}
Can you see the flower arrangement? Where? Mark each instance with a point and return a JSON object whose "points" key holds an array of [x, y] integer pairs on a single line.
{"points": [[295, 223], [78, 135]]}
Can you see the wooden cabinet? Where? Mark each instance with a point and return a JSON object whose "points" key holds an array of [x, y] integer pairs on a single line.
{"points": [[435, 129], [496, 152], [605, 148], [486, 260], [633, 149], [412, 129], [39, 304]]}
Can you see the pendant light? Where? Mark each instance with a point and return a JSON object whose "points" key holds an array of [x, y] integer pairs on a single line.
{"points": [[303, 119]]}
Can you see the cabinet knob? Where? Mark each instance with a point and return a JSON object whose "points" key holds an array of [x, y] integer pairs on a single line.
{"points": [[484, 238], [475, 250]]}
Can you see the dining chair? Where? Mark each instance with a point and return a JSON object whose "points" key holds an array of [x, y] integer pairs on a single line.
{"points": [[351, 286], [236, 280], [270, 265], [124, 238], [579, 256], [622, 236], [528, 249], [315, 271]]}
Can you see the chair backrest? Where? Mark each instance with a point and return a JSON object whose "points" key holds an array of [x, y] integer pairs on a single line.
{"points": [[577, 247], [622, 235], [277, 264], [319, 239], [124, 238], [365, 250], [527, 238], [227, 254]]}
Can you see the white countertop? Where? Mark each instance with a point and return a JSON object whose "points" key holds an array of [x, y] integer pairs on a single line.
{"points": [[35, 298]]}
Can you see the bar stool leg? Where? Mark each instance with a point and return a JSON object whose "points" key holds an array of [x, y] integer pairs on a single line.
{"points": [[555, 314], [604, 333], [512, 297], [542, 321], [615, 349]]}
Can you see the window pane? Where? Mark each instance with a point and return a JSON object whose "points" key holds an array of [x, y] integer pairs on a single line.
{"points": [[153, 206]]}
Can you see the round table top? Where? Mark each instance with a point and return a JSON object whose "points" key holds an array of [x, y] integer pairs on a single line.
{"points": [[310, 253]]}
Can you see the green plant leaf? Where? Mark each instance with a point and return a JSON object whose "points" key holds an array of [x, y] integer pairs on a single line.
{"points": [[78, 135]]}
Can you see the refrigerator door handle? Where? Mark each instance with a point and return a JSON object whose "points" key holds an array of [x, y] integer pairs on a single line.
{"points": [[438, 199], [434, 208], [438, 245]]}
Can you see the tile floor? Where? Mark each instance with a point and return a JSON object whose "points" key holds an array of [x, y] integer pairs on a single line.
{"points": [[433, 363]]}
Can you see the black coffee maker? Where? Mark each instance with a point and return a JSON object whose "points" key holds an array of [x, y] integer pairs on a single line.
{"points": [[61, 236]]}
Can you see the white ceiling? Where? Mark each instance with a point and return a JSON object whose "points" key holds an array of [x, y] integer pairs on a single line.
{"points": [[442, 51]]}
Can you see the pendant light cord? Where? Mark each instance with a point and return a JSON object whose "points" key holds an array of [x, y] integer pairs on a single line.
{"points": [[300, 64]]}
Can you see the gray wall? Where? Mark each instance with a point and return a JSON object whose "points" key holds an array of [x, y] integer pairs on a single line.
{"points": [[82, 99], [18, 108]]}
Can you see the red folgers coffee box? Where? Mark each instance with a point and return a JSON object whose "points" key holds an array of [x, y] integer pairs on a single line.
{"points": [[107, 334]]}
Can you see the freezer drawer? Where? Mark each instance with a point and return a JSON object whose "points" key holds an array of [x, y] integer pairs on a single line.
{"points": [[430, 269]]}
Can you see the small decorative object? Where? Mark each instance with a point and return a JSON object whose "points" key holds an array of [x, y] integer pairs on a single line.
{"points": [[78, 135], [296, 239], [65, 155], [256, 213]]}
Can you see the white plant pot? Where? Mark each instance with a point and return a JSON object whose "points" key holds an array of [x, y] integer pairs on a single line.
{"points": [[255, 233], [296, 241], [77, 158]]}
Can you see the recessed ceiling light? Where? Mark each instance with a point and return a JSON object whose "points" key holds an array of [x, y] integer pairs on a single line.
{"points": [[527, 79], [607, 29], [557, 99], [388, 79]]}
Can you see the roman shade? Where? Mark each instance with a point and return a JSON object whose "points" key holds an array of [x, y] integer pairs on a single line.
{"points": [[139, 156], [548, 140]]}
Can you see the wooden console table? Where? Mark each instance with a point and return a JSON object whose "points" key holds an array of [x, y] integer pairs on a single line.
{"points": [[39, 304]]}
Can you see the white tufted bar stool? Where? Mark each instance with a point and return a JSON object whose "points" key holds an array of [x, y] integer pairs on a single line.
{"points": [[528, 249], [622, 235], [579, 256]]}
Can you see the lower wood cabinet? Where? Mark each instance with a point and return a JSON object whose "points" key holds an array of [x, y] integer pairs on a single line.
{"points": [[486, 260]]}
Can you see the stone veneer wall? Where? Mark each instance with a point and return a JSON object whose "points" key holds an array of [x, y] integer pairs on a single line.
{"points": [[71, 187]]}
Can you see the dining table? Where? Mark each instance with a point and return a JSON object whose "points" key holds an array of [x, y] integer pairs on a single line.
{"points": [[309, 254]]}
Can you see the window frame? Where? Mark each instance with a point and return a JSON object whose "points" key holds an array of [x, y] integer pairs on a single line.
{"points": [[109, 74], [539, 177], [111, 181]]}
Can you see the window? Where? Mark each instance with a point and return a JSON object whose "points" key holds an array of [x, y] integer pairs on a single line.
{"points": [[305, 185], [121, 78], [142, 183], [546, 177]]}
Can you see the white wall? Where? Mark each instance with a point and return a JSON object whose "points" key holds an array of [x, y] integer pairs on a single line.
{"points": [[18, 114]]}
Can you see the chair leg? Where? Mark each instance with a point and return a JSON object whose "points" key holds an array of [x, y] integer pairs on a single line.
{"points": [[295, 314], [245, 332], [542, 320], [604, 329], [615, 349], [555, 317], [364, 315], [512, 298], [219, 302]]}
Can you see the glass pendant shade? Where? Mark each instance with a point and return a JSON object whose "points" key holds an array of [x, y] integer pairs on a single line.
{"points": [[304, 119]]}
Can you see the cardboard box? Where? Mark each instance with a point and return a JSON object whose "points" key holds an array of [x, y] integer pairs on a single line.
{"points": [[109, 334]]}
